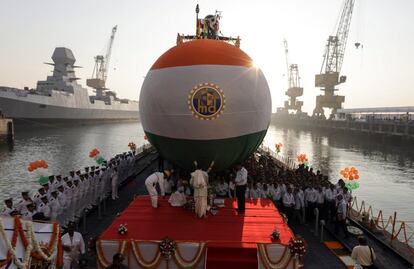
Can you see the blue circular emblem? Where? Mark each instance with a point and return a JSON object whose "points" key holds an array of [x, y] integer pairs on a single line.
{"points": [[206, 101]]}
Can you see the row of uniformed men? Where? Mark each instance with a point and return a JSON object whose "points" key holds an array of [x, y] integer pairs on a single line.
{"points": [[64, 199], [279, 192]]}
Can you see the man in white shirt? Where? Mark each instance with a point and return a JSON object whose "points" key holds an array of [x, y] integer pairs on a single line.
{"points": [[73, 246], [31, 210], [241, 183], [289, 203], [341, 216], [299, 204], [8, 208], [330, 196], [151, 183], [254, 192], [44, 207], [22, 204], [114, 184], [363, 254], [54, 206]]}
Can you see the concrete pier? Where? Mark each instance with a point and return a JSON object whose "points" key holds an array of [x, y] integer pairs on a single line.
{"points": [[6, 129], [388, 128]]}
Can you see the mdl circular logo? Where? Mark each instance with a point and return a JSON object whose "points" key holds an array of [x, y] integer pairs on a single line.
{"points": [[206, 101]]}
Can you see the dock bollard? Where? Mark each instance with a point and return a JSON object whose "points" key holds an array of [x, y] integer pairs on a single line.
{"points": [[322, 229], [316, 211]]}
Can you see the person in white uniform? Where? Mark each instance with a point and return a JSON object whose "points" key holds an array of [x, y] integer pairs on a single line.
{"points": [[73, 246], [199, 181], [114, 183], [44, 207], [151, 183], [22, 204], [8, 208]]}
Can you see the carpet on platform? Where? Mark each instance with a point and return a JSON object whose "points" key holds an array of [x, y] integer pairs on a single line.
{"points": [[231, 238]]}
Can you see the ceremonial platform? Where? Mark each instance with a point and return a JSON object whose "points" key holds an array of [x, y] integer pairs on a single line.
{"points": [[225, 240]]}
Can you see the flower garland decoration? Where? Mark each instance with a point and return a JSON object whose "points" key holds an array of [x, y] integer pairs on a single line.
{"points": [[10, 245], [281, 263], [167, 248], [140, 259], [101, 256], [192, 263], [297, 246], [122, 229], [275, 234], [29, 242]]}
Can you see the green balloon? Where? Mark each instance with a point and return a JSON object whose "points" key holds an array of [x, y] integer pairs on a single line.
{"points": [[100, 160], [43, 180]]}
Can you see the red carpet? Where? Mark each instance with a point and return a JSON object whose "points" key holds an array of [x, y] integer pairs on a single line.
{"points": [[231, 238]]}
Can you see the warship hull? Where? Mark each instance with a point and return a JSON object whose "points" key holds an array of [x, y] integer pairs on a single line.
{"points": [[17, 109]]}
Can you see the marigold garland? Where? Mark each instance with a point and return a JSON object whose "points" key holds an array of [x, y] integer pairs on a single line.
{"points": [[184, 263], [29, 243], [13, 242], [282, 263], [181, 262], [140, 259], [122, 245]]}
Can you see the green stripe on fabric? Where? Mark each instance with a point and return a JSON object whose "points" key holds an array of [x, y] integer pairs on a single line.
{"points": [[224, 152]]}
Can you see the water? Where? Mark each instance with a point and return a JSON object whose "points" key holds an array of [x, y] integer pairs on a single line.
{"points": [[386, 171]]}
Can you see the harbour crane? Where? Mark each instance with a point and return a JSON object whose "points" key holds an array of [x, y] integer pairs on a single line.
{"points": [[333, 58], [294, 90], [100, 71]]}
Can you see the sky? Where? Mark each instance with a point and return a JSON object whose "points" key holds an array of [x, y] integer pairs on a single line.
{"points": [[379, 74]]}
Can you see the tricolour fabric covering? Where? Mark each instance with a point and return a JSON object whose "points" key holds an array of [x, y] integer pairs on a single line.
{"points": [[204, 101]]}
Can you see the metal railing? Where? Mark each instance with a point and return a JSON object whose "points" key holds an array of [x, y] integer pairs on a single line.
{"points": [[392, 229]]}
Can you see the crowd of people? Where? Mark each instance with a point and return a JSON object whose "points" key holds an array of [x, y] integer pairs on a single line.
{"points": [[296, 193], [66, 198]]}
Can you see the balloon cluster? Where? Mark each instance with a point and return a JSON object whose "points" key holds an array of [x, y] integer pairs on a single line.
{"points": [[40, 166], [94, 153], [350, 174], [37, 164], [302, 159], [278, 147], [132, 146]]}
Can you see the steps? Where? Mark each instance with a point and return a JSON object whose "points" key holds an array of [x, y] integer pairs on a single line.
{"points": [[231, 257]]}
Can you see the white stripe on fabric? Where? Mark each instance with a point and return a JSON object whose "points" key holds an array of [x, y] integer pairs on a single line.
{"points": [[164, 110]]}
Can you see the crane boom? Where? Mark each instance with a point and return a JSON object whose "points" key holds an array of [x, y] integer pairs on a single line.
{"points": [[108, 52], [101, 68], [294, 90], [335, 48], [333, 58]]}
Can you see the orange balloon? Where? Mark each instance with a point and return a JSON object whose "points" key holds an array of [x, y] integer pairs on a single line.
{"points": [[46, 166], [30, 169], [351, 178], [356, 176]]}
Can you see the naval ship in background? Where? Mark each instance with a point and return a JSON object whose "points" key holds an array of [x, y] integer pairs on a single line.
{"points": [[61, 97]]}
